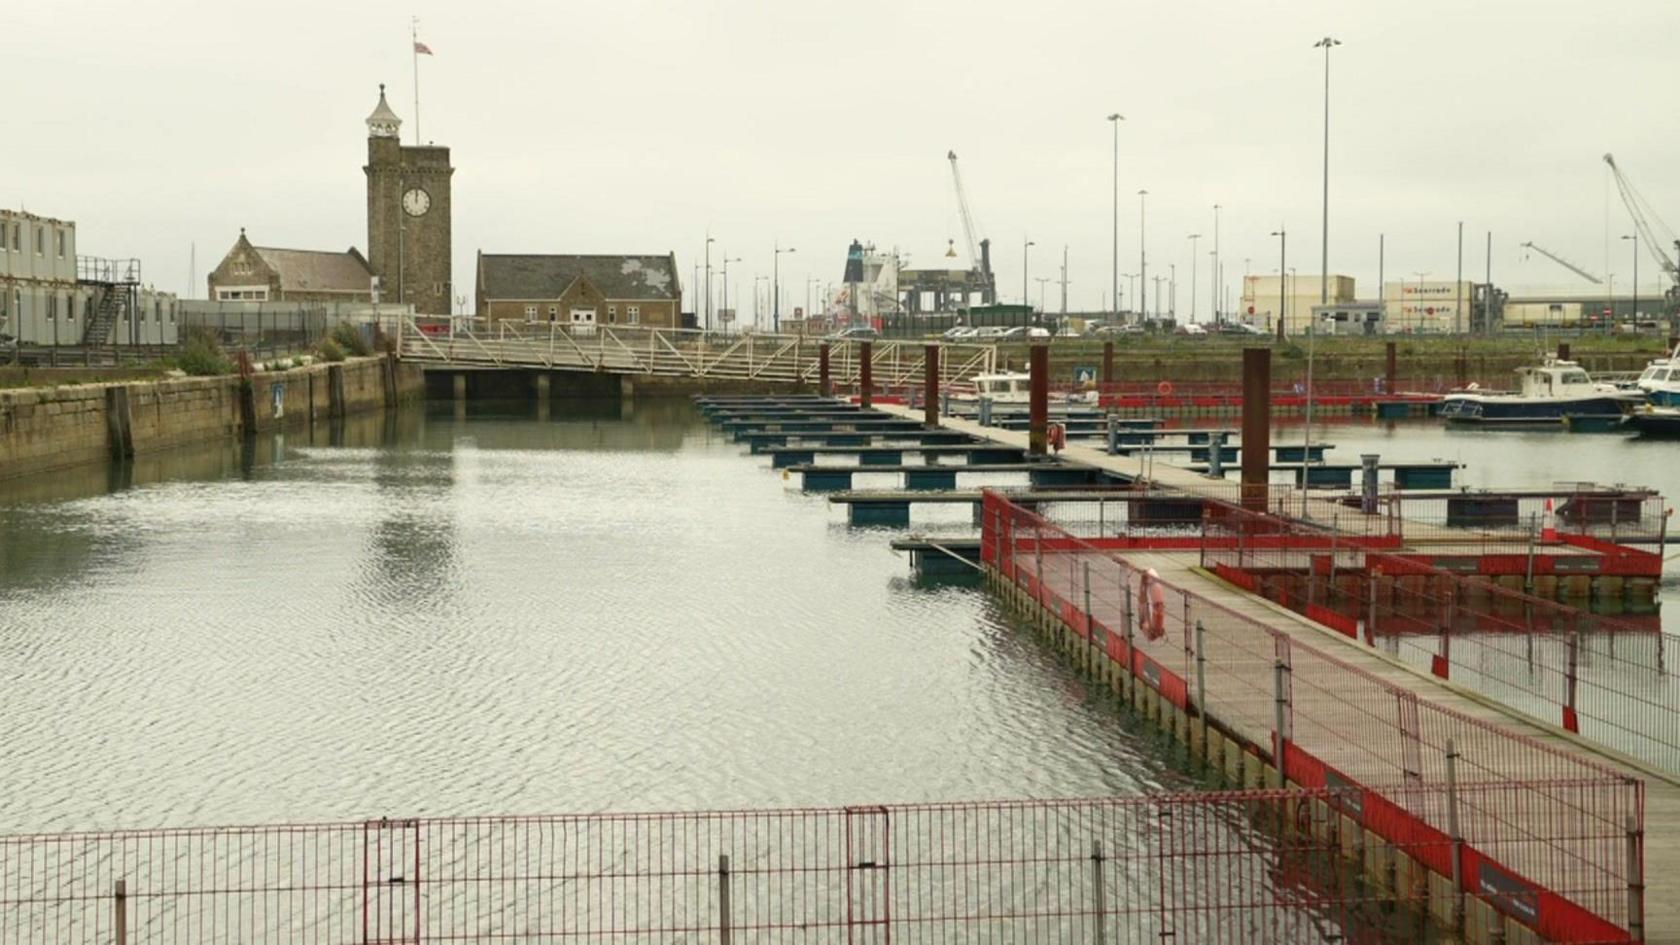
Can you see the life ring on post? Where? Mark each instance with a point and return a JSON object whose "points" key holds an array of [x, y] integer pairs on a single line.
{"points": [[1152, 605], [1057, 435], [1164, 388]]}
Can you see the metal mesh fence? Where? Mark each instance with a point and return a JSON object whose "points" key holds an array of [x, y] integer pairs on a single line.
{"points": [[1330, 721], [1252, 866]]}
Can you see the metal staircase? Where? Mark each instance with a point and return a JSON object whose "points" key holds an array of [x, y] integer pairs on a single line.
{"points": [[116, 294]]}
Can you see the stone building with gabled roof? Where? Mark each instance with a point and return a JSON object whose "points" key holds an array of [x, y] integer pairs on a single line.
{"points": [[582, 290], [250, 273]]}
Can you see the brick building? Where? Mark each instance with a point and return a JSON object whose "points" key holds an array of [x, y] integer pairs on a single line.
{"points": [[584, 290], [408, 230], [250, 273]]}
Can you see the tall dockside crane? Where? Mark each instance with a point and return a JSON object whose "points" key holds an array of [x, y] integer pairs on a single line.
{"points": [[1657, 239], [1554, 257], [979, 248]]}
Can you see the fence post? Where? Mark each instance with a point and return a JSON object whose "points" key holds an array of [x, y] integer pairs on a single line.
{"points": [[1280, 704], [1371, 612], [1201, 686], [1636, 883], [1131, 642], [1097, 887], [1533, 526], [119, 913], [1090, 625], [1038, 563], [1453, 835], [723, 898]]}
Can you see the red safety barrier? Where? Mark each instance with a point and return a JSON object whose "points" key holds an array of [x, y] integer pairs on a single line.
{"points": [[1605, 677], [1271, 689]]}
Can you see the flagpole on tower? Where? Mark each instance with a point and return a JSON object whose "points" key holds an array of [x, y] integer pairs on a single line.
{"points": [[414, 51]]}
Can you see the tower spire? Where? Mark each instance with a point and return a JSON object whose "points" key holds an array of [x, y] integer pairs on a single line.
{"points": [[383, 123]]}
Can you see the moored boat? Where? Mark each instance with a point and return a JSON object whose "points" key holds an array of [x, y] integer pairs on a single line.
{"points": [[1548, 395], [1656, 421]]}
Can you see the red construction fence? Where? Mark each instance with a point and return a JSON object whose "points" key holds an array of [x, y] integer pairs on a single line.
{"points": [[1560, 830]]}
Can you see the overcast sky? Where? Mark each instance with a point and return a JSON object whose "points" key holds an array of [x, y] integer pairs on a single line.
{"points": [[605, 126]]}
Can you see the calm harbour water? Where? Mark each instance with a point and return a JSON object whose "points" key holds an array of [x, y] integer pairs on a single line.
{"points": [[500, 614], [608, 609]]}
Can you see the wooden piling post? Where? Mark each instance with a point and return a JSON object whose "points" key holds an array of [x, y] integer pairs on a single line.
{"points": [[930, 392], [866, 374], [1256, 427], [1038, 408]]}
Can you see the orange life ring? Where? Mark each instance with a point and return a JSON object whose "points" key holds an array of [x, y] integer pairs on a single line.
{"points": [[1164, 388], [1152, 605], [1057, 436]]}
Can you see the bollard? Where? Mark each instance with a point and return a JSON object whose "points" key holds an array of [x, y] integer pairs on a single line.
{"points": [[1216, 455], [825, 387], [1368, 483], [945, 402], [1453, 836], [1113, 434], [723, 898]]}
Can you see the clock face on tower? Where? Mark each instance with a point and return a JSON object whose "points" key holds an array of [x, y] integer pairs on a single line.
{"points": [[416, 202]]}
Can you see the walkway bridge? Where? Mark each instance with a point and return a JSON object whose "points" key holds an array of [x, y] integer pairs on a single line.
{"points": [[668, 352]]}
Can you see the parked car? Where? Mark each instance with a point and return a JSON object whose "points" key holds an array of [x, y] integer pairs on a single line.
{"points": [[1192, 329], [957, 333], [989, 332], [1109, 331], [855, 333], [1024, 332], [1238, 328]]}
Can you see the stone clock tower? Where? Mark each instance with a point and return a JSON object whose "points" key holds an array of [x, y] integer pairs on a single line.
{"points": [[408, 210]]}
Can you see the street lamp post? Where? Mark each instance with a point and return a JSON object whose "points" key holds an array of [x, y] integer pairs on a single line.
{"points": [[726, 261], [1143, 252], [1635, 238], [1026, 244], [1216, 270], [1042, 281], [1327, 43], [1283, 274], [1114, 287], [709, 282], [776, 289], [1193, 238]]}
